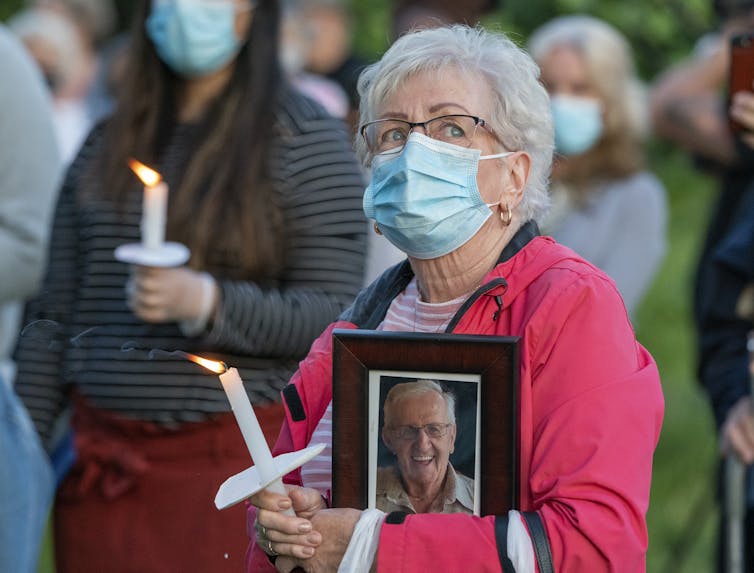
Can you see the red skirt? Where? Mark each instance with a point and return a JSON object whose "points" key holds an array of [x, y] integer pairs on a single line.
{"points": [[140, 498]]}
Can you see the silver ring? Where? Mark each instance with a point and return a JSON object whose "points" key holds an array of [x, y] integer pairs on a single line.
{"points": [[262, 530]]}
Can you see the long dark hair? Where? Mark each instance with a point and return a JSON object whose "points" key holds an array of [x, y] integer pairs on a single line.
{"points": [[221, 207]]}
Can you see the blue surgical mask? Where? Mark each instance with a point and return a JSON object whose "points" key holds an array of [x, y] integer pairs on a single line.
{"points": [[578, 123], [425, 199], [194, 37]]}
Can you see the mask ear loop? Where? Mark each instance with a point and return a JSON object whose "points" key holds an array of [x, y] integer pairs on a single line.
{"points": [[496, 155], [506, 215]]}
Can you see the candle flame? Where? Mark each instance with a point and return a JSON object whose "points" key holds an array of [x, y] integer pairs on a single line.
{"points": [[214, 366], [148, 176]]}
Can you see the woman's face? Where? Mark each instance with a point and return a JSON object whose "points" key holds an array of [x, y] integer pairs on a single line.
{"points": [[564, 72], [244, 16], [422, 460], [449, 91]]}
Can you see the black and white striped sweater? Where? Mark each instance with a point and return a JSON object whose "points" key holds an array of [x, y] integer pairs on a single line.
{"points": [[81, 333]]}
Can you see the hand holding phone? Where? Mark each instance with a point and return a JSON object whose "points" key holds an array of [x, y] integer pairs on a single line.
{"points": [[741, 77]]}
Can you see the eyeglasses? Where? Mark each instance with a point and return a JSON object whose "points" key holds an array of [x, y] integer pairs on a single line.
{"points": [[409, 433], [389, 135]]}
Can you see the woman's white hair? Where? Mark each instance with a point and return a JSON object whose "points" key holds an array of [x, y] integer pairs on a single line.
{"points": [[419, 388], [610, 66], [520, 114]]}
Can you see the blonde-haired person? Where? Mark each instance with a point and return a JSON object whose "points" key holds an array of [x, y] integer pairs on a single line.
{"points": [[606, 205]]}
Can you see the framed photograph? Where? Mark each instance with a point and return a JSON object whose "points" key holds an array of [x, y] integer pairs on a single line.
{"points": [[414, 410]]}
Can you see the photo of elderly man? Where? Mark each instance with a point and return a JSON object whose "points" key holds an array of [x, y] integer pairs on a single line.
{"points": [[420, 431]]}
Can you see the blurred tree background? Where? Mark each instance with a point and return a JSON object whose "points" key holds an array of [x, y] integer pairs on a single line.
{"points": [[661, 31], [682, 517]]}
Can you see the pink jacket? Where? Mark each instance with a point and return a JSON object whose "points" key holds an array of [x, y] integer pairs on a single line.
{"points": [[591, 409]]}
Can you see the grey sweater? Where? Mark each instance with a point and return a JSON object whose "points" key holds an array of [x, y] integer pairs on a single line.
{"points": [[30, 170], [621, 229]]}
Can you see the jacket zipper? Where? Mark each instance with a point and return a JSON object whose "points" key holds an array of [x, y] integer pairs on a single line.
{"points": [[485, 288]]}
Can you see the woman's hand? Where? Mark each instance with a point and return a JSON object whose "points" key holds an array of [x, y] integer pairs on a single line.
{"points": [[314, 540], [285, 535], [335, 527], [737, 434], [172, 294]]}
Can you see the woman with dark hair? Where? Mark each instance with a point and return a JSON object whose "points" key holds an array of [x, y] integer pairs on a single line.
{"points": [[266, 193]]}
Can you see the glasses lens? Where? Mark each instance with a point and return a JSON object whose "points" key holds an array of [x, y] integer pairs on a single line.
{"points": [[455, 129], [386, 135], [410, 433], [435, 430]]}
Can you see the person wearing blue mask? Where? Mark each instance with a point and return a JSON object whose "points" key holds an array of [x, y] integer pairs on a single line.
{"points": [[457, 129], [266, 191], [606, 205]]}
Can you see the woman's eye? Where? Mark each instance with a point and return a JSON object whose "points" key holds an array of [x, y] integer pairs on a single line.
{"points": [[393, 135], [451, 130]]}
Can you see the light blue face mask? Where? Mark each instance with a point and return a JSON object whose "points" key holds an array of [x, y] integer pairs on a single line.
{"points": [[578, 123], [194, 37], [425, 199]]}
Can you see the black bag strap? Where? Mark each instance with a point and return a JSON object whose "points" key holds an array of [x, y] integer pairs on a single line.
{"points": [[501, 538], [539, 540]]}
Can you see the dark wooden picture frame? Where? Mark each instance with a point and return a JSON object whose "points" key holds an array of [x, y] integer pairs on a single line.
{"points": [[494, 359]]}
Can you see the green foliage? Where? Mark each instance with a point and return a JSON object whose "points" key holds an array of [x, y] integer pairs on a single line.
{"points": [[682, 515], [660, 31], [8, 8]]}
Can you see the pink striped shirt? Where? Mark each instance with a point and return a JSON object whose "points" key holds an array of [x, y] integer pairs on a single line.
{"points": [[407, 313]]}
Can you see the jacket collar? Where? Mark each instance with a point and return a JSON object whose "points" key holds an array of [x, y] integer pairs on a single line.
{"points": [[526, 233], [370, 306]]}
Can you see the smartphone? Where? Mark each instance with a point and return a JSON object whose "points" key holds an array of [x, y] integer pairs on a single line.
{"points": [[741, 76]]}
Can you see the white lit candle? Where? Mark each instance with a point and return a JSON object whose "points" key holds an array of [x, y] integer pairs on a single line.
{"points": [[154, 205], [248, 423]]}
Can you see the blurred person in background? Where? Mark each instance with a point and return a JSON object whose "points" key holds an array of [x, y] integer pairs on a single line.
{"points": [[96, 21], [691, 108], [606, 205], [298, 37], [415, 14], [316, 53], [67, 63], [266, 192], [30, 171], [329, 52]]}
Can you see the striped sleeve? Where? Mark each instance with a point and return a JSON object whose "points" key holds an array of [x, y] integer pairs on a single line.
{"points": [[320, 187], [40, 353]]}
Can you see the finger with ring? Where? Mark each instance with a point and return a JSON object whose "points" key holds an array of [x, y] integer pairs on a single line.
{"points": [[267, 547]]}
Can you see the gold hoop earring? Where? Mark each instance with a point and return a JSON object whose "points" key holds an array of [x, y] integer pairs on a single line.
{"points": [[377, 229], [506, 215]]}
